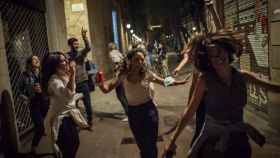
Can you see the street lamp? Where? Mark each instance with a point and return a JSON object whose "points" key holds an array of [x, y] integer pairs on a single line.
{"points": [[131, 31], [194, 28], [128, 26]]}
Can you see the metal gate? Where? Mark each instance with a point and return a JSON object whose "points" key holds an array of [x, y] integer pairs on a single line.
{"points": [[250, 17], [25, 34]]}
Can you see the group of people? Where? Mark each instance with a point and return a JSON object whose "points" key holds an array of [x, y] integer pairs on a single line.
{"points": [[218, 96], [52, 90]]}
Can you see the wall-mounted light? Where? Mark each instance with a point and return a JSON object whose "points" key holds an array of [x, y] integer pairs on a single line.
{"points": [[137, 38], [128, 26], [156, 26]]}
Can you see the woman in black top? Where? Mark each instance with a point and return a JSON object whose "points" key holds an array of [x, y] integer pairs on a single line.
{"points": [[223, 90]]}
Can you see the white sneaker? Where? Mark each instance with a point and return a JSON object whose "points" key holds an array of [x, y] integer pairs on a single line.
{"points": [[125, 120]]}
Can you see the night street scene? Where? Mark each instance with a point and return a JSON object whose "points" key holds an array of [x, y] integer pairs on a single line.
{"points": [[140, 78]]}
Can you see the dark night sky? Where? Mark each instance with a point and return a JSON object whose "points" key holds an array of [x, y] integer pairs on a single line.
{"points": [[155, 8]]}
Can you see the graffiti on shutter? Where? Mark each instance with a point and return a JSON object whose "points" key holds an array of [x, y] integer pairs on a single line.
{"points": [[252, 19]]}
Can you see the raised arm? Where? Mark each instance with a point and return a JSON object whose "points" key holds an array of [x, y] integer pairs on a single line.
{"points": [[87, 48], [251, 78], [106, 88], [199, 91]]}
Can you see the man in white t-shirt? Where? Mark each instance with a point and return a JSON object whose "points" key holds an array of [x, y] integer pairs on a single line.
{"points": [[117, 58]]}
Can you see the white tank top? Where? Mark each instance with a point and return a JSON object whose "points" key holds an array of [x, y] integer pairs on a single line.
{"points": [[139, 93]]}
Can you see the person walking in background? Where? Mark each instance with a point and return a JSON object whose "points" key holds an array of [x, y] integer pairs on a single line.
{"points": [[32, 91], [79, 56], [118, 58], [150, 50]]}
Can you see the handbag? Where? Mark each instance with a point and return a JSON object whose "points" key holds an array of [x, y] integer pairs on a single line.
{"points": [[78, 118]]}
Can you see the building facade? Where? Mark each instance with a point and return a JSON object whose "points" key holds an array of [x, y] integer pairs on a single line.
{"points": [[29, 27]]}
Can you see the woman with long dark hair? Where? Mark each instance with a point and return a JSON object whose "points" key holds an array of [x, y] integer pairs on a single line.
{"points": [[32, 91], [142, 112], [223, 90], [59, 81]]}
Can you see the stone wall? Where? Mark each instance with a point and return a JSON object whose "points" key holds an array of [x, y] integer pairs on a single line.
{"points": [[55, 21], [100, 24]]}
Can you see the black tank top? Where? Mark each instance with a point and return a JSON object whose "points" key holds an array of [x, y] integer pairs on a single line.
{"points": [[224, 102]]}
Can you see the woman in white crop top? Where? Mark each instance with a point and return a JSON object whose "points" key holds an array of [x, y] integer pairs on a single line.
{"points": [[59, 82], [142, 112]]}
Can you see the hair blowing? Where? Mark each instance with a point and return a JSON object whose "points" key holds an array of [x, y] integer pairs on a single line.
{"points": [[224, 39]]}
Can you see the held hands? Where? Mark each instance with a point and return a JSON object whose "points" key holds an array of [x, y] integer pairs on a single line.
{"points": [[168, 81], [175, 72]]}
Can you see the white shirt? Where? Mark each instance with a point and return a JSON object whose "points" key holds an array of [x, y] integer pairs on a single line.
{"points": [[61, 101], [116, 56], [139, 93]]}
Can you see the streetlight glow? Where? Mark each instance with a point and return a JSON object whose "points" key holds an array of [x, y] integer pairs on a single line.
{"points": [[128, 26], [131, 31]]}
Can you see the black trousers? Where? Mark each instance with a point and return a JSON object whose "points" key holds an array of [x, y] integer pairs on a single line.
{"points": [[143, 122], [68, 138], [237, 147], [38, 111]]}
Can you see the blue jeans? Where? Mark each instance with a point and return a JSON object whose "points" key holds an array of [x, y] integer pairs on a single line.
{"points": [[122, 98], [83, 88], [143, 122]]}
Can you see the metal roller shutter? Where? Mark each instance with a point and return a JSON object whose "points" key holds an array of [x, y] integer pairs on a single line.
{"points": [[251, 18], [25, 34]]}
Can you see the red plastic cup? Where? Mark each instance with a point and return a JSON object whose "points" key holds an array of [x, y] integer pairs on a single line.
{"points": [[99, 77]]}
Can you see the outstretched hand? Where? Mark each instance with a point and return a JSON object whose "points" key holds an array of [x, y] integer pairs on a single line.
{"points": [[175, 72]]}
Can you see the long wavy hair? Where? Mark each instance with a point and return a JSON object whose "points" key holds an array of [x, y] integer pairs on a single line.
{"points": [[49, 67], [226, 39]]}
